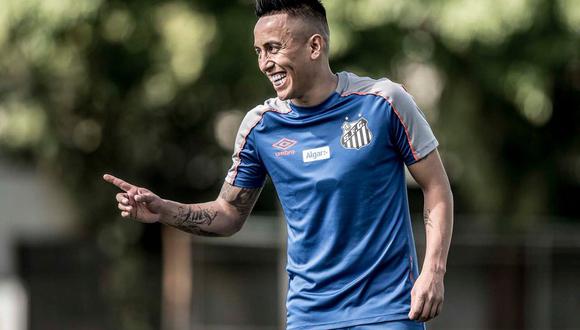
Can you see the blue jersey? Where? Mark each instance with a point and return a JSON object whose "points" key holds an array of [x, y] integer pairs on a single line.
{"points": [[338, 169]]}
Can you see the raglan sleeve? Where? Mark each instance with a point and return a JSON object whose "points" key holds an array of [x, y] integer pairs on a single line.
{"points": [[410, 131], [247, 169]]}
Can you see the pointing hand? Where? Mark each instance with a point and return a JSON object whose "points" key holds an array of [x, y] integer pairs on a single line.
{"points": [[136, 202]]}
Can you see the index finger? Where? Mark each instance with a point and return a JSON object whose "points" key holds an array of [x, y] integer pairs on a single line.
{"points": [[118, 182]]}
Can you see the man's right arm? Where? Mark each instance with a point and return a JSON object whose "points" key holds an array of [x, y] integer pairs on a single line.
{"points": [[222, 217]]}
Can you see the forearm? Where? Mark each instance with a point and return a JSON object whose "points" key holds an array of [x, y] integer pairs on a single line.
{"points": [[438, 218], [428, 291], [222, 217], [204, 219]]}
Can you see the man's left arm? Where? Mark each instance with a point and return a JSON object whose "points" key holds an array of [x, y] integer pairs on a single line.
{"points": [[428, 290]]}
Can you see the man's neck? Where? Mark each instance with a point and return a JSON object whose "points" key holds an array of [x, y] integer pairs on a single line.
{"points": [[324, 86]]}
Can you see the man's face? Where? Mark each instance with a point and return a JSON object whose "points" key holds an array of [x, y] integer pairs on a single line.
{"points": [[283, 54]]}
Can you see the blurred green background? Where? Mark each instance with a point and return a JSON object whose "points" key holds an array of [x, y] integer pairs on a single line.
{"points": [[153, 92]]}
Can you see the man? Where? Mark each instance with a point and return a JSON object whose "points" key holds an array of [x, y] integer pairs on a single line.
{"points": [[335, 147]]}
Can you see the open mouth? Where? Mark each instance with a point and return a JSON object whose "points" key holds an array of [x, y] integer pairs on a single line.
{"points": [[278, 79]]}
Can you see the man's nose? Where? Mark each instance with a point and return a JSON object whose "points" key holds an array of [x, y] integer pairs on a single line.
{"points": [[265, 64]]}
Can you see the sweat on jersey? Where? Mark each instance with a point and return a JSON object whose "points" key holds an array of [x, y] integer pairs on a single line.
{"points": [[338, 169]]}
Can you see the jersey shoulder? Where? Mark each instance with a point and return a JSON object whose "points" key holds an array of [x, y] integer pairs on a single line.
{"points": [[350, 83], [256, 114]]}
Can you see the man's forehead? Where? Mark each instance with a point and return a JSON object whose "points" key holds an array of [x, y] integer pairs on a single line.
{"points": [[276, 21], [277, 26]]}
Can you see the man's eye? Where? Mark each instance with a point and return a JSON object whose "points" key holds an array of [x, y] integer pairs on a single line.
{"points": [[273, 49]]}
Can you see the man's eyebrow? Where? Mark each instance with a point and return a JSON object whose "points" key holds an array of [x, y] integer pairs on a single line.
{"points": [[270, 43]]}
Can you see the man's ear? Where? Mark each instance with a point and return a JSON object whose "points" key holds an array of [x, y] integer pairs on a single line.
{"points": [[316, 44]]}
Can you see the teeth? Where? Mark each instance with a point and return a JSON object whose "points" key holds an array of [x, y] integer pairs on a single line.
{"points": [[277, 77], [280, 82]]}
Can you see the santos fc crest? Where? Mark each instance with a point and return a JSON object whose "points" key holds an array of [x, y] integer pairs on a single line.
{"points": [[355, 134]]}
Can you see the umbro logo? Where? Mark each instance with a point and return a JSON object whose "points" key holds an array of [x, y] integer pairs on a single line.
{"points": [[284, 144]]}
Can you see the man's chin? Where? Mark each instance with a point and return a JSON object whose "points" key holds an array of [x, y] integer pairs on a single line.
{"points": [[284, 92], [282, 95]]}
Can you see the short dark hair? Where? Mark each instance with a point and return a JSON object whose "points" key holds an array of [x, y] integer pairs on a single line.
{"points": [[308, 9], [292, 7]]}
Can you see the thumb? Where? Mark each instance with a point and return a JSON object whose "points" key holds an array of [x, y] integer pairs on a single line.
{"points": [[416, 306], [145, 198]]}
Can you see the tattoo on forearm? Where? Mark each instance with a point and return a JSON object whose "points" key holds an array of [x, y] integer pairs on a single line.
{"points": [[427, 218], [190, 217], [241, 198]]}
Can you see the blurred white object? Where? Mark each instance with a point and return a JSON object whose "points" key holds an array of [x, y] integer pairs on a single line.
{"points": [[14, 302], [34, 205]]}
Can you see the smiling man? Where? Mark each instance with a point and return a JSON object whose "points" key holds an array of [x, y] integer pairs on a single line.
{"points": [[335, 147], [292, 47]]}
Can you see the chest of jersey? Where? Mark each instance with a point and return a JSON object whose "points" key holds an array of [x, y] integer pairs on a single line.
{"points": [[329, 152]]}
